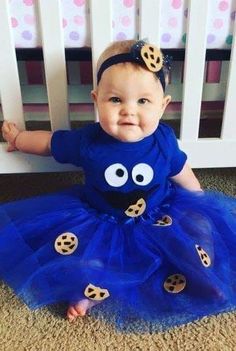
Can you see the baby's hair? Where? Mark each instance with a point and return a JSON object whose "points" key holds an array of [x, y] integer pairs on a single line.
{"points": [[123, 47]]}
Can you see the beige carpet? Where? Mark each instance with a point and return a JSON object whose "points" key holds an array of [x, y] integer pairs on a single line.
{"points": [[47, 330]]}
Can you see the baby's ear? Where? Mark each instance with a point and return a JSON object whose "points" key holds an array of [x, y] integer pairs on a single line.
{"points": [[94, 95], [166, 101]]}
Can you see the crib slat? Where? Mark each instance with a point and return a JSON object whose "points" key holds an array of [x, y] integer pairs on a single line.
{"points": [[194, 68], [229, 122], [9, 77], [101, 29], [149, 21], [54, 62], [101, 32]]}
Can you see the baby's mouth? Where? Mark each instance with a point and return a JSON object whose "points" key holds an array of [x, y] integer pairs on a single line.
{"points": [[127, 124]]}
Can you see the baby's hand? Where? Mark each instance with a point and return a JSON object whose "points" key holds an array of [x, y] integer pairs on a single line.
{"points": [[10, 133]]}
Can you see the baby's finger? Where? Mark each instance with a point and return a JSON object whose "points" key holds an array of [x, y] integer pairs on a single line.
{"points": [[5, 127]]}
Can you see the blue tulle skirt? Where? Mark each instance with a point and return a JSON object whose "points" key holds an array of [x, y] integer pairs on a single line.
{"points": [[171, 266]]}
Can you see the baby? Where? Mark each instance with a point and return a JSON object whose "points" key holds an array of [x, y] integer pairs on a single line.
{"points": [[134, 170]]}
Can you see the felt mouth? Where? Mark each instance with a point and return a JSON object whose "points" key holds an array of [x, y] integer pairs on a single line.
{"points": [[121, 200]]}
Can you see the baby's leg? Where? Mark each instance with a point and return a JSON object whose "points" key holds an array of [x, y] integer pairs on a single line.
{"points": [[80, 309]]}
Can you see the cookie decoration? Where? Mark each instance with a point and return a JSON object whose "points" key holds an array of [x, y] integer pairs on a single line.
{"points": [[175, 283], [152, 57], [96, 293], [66, 243], [204, 257], [137, 209], [164, 221]]}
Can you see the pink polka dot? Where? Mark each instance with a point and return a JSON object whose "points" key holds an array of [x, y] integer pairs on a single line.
{"points": [[14, 22], [128, 3], [173, 22], [79, 2], [223, 5], [29, 19], [176, 4], [64, 23], [79, 20], [126, 21], [218, 23], [29, 2]]}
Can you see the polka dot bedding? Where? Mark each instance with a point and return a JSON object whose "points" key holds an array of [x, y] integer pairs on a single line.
{"points": [[75, 22]]}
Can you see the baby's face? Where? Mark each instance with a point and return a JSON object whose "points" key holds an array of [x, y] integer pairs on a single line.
{"points": [[130, 102]]}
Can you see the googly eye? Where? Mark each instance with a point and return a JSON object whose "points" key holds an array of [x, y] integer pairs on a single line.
{"points": [[142, 174], [116, 175]]}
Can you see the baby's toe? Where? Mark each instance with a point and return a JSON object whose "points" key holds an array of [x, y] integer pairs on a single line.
{"points": [[81, 311], [71, 313]]}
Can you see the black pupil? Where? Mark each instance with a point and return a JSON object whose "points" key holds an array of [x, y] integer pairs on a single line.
{"points": [[120, 172], [139, 178]]}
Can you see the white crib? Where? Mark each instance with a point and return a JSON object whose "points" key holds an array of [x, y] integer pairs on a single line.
{"points": [[202, 152]]}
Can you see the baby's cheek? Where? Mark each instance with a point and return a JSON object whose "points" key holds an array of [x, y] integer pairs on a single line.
{"points": [[151, 124]]}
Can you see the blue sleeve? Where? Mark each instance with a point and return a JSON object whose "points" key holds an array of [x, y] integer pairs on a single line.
{"points": [[67, 146], [175, 157], [178, 157]]}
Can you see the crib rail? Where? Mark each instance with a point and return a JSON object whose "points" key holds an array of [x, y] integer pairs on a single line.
{"points": [[202, 152]]}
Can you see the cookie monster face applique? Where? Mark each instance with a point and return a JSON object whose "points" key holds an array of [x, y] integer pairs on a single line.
{"points": [[130, 187]]}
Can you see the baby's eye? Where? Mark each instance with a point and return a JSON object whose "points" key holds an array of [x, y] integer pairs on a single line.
{"points": [[115, 99], [143, 101]]}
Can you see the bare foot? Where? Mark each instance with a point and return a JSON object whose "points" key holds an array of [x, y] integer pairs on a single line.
{"points": [[10, 133], [80, 309]]}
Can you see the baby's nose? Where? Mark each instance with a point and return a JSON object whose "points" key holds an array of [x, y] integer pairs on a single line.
{"points": [[128, 109]]}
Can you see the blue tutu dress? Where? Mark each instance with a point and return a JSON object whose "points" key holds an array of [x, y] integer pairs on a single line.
{"points": [[129, 237]]}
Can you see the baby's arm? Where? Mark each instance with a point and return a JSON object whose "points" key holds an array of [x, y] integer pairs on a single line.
{"points": [[187, 179], [34, 142]]}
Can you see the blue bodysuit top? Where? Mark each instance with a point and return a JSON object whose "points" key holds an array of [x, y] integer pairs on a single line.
{"points": [[118, 174]]}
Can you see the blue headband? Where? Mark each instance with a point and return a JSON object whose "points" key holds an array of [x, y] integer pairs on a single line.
{"points": [[143, 54]]}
